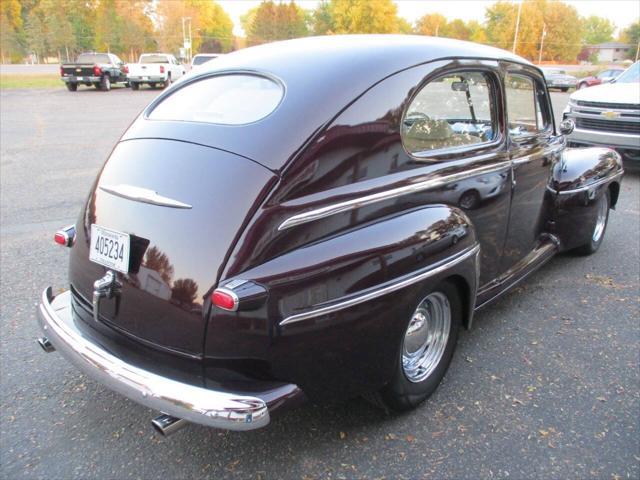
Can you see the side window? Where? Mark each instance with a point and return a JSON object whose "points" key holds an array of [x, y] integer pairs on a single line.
{"points": [[451, 111], [524, 113]]}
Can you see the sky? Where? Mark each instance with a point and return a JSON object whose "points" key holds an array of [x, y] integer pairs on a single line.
{"points": [[620, 12]]}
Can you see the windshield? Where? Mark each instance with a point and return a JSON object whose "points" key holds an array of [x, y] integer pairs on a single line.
{"points": [[199, 60], [93, 58], [154, 59], [631, 75], [232, 99]]}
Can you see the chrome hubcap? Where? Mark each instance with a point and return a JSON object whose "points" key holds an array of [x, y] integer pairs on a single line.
{"points": [[426, 337], [601, 220]]}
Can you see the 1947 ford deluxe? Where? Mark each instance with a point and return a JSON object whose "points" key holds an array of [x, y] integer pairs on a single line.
{"points": [[315, 219]]}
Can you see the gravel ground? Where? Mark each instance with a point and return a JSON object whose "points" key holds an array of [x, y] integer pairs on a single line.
{"points": [[546, 385]]}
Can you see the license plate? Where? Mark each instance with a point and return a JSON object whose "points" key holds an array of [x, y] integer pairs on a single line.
{"points": [[110, 248], [81, 78], [145, 78]]}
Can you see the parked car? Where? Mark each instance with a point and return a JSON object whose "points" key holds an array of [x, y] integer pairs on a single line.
{"points": [[155, 69], [309, 243], [605, 76], [559, 79], [202, 58], [98, 69], [609, 114]]}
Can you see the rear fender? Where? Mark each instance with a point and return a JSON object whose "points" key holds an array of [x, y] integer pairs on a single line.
{"points": [[579, 179], [384, 266]]}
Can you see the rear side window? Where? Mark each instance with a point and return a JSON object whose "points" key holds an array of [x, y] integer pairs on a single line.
{"points": [[154, 59], [451, 111], [93, 58], [233, 99], [523, 107]]}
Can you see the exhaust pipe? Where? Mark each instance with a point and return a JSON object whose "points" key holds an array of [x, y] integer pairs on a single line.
{"points": [[166, 425], [46, 345]]}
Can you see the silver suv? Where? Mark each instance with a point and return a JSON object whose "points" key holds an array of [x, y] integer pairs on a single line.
{"points": [[609, 114]]}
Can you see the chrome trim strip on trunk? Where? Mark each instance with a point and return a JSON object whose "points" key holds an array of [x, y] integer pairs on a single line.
{"points": [[347, 205], [232, 411], [144, 195], [375, 292]]}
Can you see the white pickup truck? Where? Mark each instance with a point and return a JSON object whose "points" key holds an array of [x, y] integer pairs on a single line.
{"points": [[154, 69]]}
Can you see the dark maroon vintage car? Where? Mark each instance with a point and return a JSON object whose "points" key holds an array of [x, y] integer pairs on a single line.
{"points": [[316, 219]]}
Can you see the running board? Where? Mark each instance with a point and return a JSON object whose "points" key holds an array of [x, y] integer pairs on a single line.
{"points": [[521, 270]]}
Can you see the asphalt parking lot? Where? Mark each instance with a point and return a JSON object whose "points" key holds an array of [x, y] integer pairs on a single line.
{"points": [[546, 385]]}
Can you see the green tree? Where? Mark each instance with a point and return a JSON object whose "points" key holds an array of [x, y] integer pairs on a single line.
{"points": [[321, 19], [631, 35], [597, 30], [11, 29], [559, 21], [109, 27], [276, 21], [364, 16], [432, 24], [456, 29], [211, 27]]}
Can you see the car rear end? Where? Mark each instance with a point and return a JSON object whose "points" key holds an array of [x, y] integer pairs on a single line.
{"points": [[146, 254], [151, 69], [87, 69]]}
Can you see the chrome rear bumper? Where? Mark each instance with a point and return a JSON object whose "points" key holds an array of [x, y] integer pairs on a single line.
{"points": [[194, 404]]}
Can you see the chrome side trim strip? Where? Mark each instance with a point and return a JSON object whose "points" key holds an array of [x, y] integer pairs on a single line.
{"points": [[347, 205], [144, 195], [590, 186], [394, 285]]}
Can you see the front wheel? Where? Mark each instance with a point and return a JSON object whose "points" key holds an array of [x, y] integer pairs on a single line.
{"points": [[582, 85], [426, 349], [564, 89], [596, 234], [72, 86]]}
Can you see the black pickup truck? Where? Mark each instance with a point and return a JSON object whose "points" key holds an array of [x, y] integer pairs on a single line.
{"points": [[98, 69]]}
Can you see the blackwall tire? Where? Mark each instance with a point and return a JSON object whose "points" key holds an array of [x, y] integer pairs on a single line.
{"points": [[426, 349], [596, 234], [135, 86], [72, 87], [105, 83]]}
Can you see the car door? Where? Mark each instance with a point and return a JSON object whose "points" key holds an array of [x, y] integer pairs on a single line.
{"points": [[534, 148]]}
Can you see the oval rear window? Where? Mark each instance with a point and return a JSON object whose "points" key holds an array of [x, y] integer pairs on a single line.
{"points": [[232, 99]]}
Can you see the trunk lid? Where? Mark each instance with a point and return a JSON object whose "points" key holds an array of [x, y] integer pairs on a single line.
{"points": [[178, 242], [79, 70]]}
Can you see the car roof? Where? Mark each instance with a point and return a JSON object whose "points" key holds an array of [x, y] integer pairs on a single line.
{"points": [[321, 76]]}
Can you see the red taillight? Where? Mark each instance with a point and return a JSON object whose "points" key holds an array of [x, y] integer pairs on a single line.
{"points": [[97, 71], [66, 236], [225, 299], [161, 68], [125, 69], [60, 238]]}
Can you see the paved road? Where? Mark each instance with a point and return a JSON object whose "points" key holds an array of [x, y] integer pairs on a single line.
{"points": [[546, 385]]}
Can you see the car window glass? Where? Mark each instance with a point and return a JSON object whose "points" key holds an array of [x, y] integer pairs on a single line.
{"points": [[631, 74], [525, 117], [453, 110], [233, 99]]}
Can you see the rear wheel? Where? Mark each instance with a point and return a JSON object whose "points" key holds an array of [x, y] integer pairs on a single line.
{"points": [[565, 89], [582, 85], [167, 82], [72, 86], [153, 85], [426, 349], [105, 83], [596, 234], [135, 85]]}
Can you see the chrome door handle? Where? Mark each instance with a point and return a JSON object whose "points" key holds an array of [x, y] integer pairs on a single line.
{"points": [[106, 287]]}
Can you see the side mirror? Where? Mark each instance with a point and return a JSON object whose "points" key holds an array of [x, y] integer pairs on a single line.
{"points": [[567, 126]]}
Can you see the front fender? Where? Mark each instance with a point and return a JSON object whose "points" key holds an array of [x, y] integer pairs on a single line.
{"points": [[579, 179], [384, 265]]}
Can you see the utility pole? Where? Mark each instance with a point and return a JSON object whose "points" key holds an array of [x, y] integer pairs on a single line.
{"points": [[544, 34], [515, 36], [186, 37]]}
